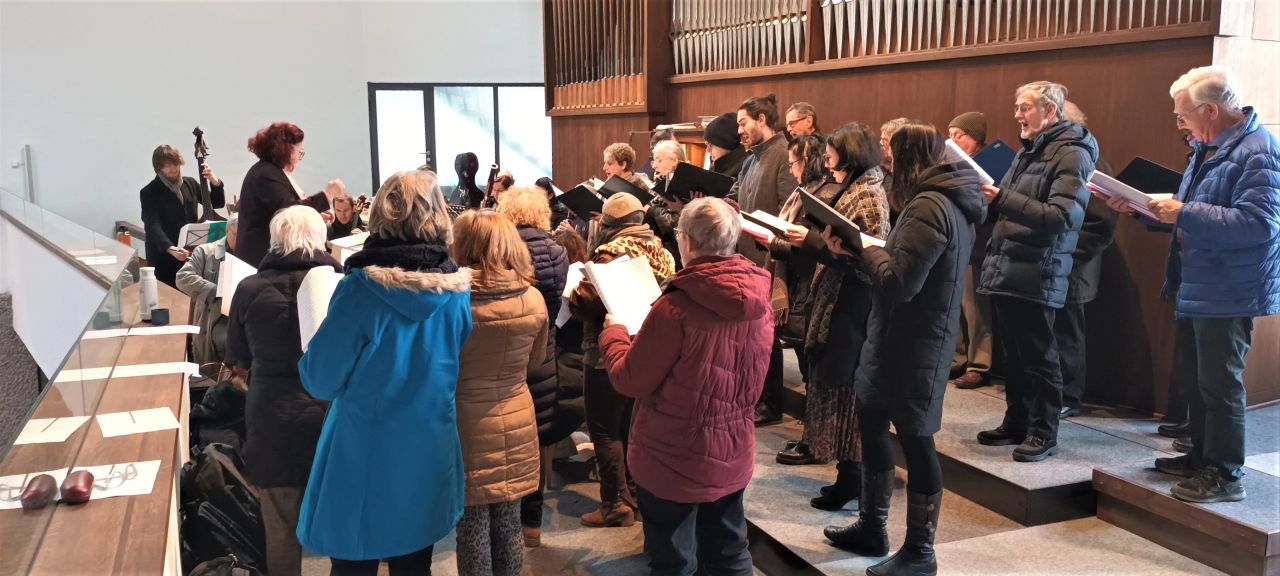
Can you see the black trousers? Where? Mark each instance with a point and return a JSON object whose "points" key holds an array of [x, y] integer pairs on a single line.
{"points": [[1033, 379], [412, 564], [924, 472], [1069, 329], [704, 538], [773, 382], [1210, 360]]}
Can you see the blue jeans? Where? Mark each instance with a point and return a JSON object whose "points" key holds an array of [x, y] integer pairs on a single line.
{"points": [[686, 539], [1210, 371]]}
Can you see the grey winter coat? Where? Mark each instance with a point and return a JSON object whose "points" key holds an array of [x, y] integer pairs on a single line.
{"points": [[198, 279]]}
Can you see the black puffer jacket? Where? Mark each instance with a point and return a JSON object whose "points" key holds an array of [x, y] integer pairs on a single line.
{"points": [[550, 267], [917, 281], [282, 421], [1041, 205], [730, 164]]}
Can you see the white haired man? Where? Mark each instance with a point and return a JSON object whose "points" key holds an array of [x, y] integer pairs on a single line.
{"points": [[1221, 272], [1041, 202]]}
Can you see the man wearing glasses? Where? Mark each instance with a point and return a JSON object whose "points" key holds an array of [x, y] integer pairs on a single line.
{"points": [[802, 120], [1223, 271], [1041, 203]]}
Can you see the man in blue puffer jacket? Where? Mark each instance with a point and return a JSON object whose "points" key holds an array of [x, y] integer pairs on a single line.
{"points": [[1223, 270]]}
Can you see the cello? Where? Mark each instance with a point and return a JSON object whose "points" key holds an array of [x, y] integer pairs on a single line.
{"points": [[206, 200]]}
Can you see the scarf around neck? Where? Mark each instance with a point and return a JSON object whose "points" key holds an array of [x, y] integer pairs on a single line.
{"points": [[411, 255]]}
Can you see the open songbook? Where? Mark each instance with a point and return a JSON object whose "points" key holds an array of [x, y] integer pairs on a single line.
{"points": [[763, 225], [954, 153], [232, 271], [1108, 187], [313, 300], [821, 215], [627, 288]]}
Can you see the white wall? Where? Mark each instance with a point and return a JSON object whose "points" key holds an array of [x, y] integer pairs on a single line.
{"points": [[94, 87]]}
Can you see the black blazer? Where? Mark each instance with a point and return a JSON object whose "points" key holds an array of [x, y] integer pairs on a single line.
{"points": [[265, 191], [164, 215]]}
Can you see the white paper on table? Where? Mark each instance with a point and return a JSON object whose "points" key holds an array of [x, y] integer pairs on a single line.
{"points": [[158, 330], [98, 260], [100, 334], [627, 288], [158, 368], [49, 430], [953, 153], [127, 479], [82, 374], [136, 422], [314, 294], [11, 487], [232, 271]]}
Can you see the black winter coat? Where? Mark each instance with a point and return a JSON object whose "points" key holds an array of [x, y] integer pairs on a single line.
{"points": [[550, 268], [1041, 205], [1096, 234], [265, 191], [282, 421], [917, 280], [164, 215], [730, 164]]}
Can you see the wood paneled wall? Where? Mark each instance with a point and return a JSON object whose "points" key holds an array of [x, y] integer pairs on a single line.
{"points": [[1124, 91]]}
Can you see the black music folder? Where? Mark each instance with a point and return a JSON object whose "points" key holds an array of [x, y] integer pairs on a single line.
{"points": [[1151, 178], [995, 159], [582, 200], [616, 184], [821, 215], [688, 179]]}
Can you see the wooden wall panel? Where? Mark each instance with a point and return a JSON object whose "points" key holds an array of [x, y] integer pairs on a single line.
{"points": [[578, 141], [1124, 91]]}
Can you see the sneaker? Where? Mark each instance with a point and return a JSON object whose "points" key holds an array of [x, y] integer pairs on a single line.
{"points": [[1182, 430], [1177, 466], [970, 380], [767, 415], [1208, 487], [1035, 449], [1183, 445], [1001, 436]]}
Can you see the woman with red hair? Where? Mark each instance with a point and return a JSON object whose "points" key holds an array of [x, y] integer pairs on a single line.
{"points": [[269, 187]]}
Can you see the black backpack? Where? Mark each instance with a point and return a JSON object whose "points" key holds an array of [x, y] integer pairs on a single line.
{"points": [[225, 566], [221, 516]]}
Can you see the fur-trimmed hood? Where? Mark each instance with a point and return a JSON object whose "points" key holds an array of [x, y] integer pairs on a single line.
{"points": [[416, 295]]}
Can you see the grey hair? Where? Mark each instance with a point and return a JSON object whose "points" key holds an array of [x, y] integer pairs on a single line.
{"points": [[711, 224], [669, 147], [892, 126], [1216, 84], [411, 206], [1046, 93], [297, 228], [1073, 113]]}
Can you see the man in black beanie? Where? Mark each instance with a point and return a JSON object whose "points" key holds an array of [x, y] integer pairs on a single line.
{"points": [[724, 145]]}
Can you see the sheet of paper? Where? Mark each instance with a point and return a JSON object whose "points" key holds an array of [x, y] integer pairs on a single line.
{"points": [[954, 153], [50, 430], [627, 288], [158, 330], [313, 300], [571, 283], [100, 334], [136, 370], [11, 487], [82, 374], [869, 240], [772, 220], [98, 260], [1107, 187], [232, 272], [127, 479], [136, 422], [755, 230]]}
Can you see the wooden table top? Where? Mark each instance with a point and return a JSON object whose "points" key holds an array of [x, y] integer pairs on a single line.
{"points": [[124, 535]]}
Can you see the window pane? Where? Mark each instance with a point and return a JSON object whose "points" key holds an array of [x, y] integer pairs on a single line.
{"points": [[524, 133], [402, 133], [464, 123]]}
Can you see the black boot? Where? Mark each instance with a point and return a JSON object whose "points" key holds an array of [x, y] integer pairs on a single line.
{"points": [[848, 487], [915, 558], [867, 536]]}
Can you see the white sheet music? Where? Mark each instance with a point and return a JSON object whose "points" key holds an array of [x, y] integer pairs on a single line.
{"points": [[313, 300], [232, 272], [627, 288], [954, 153], [574, 278]]}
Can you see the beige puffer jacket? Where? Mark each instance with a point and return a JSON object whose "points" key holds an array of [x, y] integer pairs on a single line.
{"points": [[495, 411]]}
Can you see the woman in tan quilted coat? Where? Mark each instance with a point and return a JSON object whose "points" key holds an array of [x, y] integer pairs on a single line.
{"points": [[495, 411]]}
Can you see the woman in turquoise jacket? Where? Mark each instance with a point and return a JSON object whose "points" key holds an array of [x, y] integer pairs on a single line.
{"points": [[387, 480]]}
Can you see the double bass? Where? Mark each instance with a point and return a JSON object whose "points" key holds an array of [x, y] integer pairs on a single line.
{"points": [[206, 196]]}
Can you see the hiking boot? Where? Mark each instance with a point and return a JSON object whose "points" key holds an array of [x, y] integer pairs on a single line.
{"points": [[1035, 449], [1177, 466], [1002, 436]]}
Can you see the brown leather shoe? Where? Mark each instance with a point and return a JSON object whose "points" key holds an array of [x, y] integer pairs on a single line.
{"points": [[618, 514], [970, 380], [532, 536]]}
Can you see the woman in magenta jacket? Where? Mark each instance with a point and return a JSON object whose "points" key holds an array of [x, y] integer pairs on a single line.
{"points": [[696, 370]]}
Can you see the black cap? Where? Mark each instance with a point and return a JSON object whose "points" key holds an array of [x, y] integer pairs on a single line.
{"points": [[723, 131]]}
